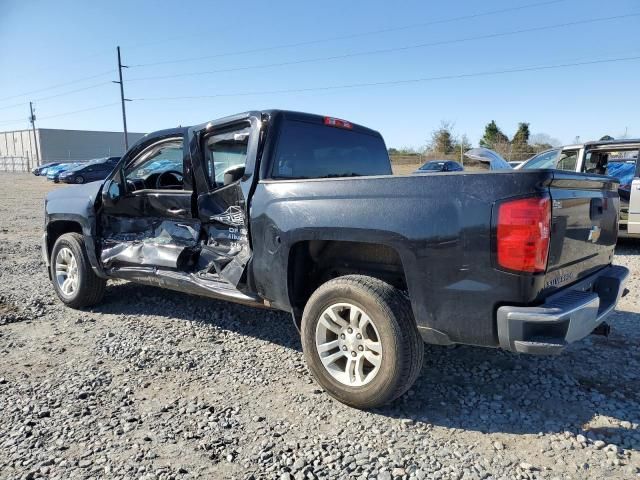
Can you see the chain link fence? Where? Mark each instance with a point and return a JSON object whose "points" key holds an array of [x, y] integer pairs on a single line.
{"points": [[15, 164], [406, 163]]}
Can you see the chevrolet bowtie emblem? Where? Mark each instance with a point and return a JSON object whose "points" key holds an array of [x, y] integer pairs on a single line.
{"points": [[594, 234]]}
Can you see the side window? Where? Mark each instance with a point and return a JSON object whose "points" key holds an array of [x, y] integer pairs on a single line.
{"points": [[157, 167], [568, 160], [226, 155], [543, 160], [596, 162]]}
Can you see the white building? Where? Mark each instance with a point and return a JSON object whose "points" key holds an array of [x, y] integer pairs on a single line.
{"points": [[18, 148]]}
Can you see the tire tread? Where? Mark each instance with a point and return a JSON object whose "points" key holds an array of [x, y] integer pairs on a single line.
{"points": [[397, 307], [92, 287]]}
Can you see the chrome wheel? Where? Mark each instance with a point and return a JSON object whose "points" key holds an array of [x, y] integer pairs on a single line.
{"points": [[66, 271], [348, 344]]}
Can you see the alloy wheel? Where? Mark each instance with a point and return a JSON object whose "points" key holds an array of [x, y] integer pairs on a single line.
{"points": [[348, 344], [67, 271]]}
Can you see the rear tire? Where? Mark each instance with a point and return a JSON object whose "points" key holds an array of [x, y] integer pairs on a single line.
{"points": [[73, 279], [357, 316]]}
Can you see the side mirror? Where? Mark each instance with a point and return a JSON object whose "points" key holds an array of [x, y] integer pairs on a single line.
{"points": [[233, 174], [111, 192]]}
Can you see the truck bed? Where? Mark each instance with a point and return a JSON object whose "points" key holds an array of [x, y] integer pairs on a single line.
{"points": [[443, 228]]}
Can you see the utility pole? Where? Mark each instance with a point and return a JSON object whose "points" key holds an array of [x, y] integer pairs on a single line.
{"points": [[32, 119], [122, 100]]}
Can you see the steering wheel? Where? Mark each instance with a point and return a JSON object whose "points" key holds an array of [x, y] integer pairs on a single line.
{"points": [[169, 179]]}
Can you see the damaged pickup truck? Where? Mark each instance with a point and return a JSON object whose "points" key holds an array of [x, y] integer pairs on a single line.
{"points": [[300, 213]]}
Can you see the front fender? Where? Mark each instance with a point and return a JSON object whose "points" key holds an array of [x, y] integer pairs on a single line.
{"points": [[74, 205]]}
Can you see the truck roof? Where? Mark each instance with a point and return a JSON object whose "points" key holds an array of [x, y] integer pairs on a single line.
{"points": [[623, 143], [288, 114]]}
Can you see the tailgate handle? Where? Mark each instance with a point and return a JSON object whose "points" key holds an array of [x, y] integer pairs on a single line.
{"points": [[597, 208]]}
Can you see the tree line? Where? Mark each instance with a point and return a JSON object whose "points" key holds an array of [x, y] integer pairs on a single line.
{"points": [[446, 143]]}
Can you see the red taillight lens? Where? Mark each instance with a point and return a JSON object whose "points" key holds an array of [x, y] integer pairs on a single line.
{"points": [[336, 122], [523, 234]]}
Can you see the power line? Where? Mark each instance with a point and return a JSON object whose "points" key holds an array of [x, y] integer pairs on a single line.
{"points": [[70, 92], [53, 87], [398, 82], [97, 107], [349, 36], [62, 114], [14, 121], [389, 50]]}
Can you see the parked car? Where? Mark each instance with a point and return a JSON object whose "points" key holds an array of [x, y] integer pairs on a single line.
{"points": [[489, 159], [440, 166], [603, 158], [53, 173], [308, 219], [90, 171], [42, 169]]}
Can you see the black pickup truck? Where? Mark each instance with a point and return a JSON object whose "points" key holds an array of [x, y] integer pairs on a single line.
{"points": [[300, 213]]}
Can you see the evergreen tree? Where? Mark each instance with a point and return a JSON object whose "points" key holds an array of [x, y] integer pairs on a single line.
{"points": [[493, 136], [521, 137]]}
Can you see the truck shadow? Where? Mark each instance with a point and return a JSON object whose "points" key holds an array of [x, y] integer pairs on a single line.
{"points": [[590, 389], [628, 246], [269, 325]]}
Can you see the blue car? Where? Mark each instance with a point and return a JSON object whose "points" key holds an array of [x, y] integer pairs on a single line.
{"points": [[440, 166], [90, 171], [53, 173], [42, 169]]}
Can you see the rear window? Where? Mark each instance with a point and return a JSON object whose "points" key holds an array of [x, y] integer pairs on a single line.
{"points": [[307, 150]]}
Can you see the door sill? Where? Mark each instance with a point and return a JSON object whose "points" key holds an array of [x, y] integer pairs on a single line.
{"points": [[207, 286]]}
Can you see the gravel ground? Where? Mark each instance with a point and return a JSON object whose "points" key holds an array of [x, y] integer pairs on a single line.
{"points": [[156, 384]]}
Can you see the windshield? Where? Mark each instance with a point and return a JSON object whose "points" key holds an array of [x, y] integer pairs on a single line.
{"points": [[543, 160], [310, 150]]}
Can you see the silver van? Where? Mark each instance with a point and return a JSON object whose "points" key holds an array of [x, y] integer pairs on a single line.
{"points": [[617, 158]]}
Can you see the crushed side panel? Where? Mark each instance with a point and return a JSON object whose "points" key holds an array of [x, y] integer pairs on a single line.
{"points": [[149, 241]]}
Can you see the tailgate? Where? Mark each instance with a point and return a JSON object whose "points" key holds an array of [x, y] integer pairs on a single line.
{"points": [[584, 226]]}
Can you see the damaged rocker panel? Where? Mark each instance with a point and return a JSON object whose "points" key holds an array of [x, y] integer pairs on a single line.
{"points": [[192, 283]]}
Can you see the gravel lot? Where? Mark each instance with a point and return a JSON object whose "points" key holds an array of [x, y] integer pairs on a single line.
{"points": [[156, 384]]}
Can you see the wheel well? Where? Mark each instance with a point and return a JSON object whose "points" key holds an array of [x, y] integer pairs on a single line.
{"points": [[314, 262], [60, 227]]}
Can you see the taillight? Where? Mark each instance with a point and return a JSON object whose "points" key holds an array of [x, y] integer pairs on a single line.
{"points": [[336, 122], [523, 234]]}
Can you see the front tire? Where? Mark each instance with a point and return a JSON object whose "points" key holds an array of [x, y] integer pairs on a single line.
{"points": [[74, 281], [360, 340], [79, 179]]}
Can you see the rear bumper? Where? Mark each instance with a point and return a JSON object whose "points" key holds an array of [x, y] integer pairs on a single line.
{"points": [[565, 317], [626, 234]]}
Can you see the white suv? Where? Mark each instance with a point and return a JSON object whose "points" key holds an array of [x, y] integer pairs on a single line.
{"points": [[617, 158]]}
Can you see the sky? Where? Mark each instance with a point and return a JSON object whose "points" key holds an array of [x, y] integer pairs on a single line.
{"points": [[407, 66]]}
